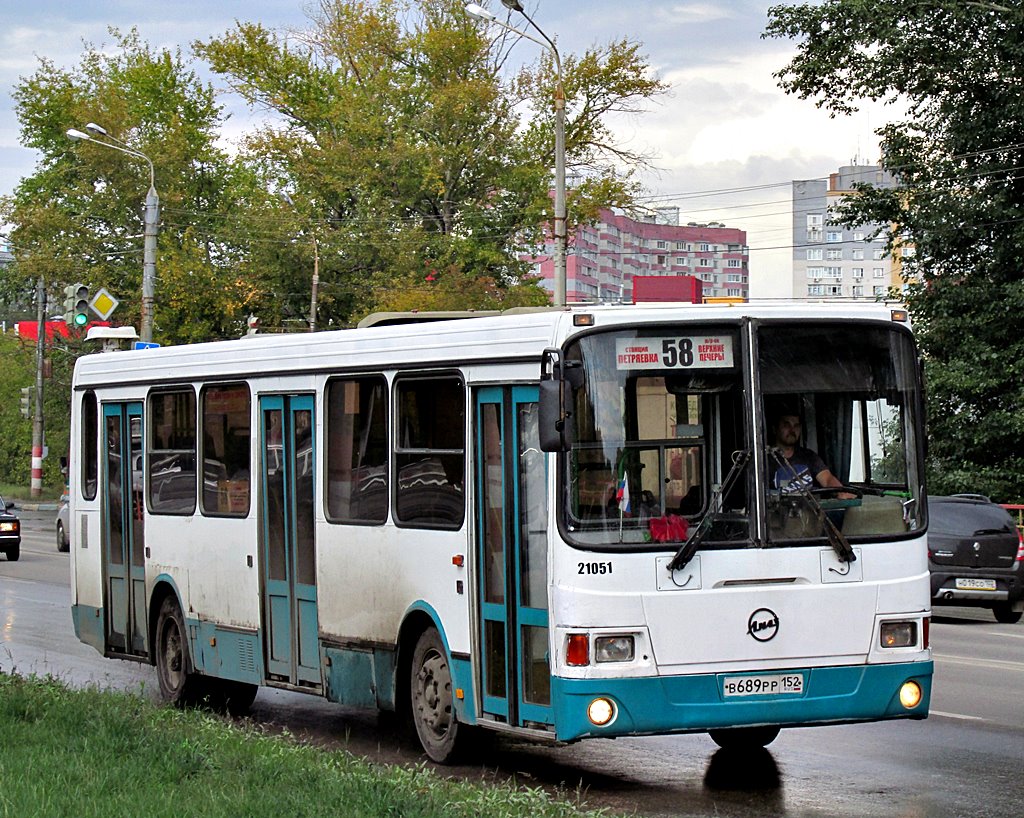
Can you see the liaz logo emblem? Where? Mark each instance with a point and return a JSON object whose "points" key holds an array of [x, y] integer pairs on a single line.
{"points": [[763, 624]]}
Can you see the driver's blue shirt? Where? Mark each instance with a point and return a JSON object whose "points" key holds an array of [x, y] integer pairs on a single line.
{"points": [[800, 472]]}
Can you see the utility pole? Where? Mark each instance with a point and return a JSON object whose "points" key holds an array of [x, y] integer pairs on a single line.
{"points": [[316, 285], [150, 228], [37, 421]]}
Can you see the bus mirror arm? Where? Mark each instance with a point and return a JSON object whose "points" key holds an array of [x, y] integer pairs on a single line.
{"points": [[689, 548]]}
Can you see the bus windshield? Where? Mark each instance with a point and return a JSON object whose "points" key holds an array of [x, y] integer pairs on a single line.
{"points": [[844, 398], [667, 420], [659, 420]]}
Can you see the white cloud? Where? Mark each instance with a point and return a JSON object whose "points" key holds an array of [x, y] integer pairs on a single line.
{"points": [[696, 13]]}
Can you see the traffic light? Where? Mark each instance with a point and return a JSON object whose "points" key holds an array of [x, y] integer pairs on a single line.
{"points": [[26, 401], [76, 305]]}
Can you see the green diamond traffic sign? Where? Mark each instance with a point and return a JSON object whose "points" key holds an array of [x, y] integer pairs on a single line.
{"points": [[103, 304]]}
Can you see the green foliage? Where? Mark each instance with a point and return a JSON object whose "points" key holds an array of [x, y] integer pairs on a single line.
{"points": [[18, 363], [17, 359], [79, 217], [88, 753], [959, 70], [404, 149]]}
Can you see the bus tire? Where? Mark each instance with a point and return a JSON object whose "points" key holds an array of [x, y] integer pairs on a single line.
{"points": [[179, 685], [430, 692], [738, 738]]}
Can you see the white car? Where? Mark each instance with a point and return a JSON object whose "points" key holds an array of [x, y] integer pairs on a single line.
{"points": [[63, 520]]}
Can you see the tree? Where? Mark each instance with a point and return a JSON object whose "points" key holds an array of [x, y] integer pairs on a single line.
{"points": [[402, 145], [958, 68], [79, 216]]}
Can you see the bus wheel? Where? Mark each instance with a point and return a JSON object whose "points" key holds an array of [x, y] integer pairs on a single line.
{"points": [[736, 738], [178, 685], [433, 712]]}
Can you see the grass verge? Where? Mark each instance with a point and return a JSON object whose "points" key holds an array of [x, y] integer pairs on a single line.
{"points": [[9, 491], [87, 753]]}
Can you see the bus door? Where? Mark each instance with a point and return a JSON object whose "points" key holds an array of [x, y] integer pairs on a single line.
{"points": [[124, 567], [511, 513], [291, 643]]}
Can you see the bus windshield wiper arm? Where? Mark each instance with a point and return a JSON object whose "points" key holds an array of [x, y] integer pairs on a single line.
{"points": [[689, 548], [835, 537]]}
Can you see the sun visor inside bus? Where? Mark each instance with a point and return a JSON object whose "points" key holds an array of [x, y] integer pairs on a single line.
{"points": [[696, 381]]}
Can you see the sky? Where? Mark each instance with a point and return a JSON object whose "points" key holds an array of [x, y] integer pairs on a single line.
{"points": [[725, 142]]}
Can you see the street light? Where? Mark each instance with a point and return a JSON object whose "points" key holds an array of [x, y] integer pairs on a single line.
{"points": [[151, 222], [479, 13]]}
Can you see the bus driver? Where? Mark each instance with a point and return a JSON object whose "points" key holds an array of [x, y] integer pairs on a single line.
{"points": [[803, 468]]}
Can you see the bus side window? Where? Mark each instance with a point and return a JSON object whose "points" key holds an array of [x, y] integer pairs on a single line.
{"points": [[357, 450], [226, 450], [430, 452], [171, 449], [89, 442]]}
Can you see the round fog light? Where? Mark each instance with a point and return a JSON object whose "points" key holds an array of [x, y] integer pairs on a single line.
{"points": [[601, 711], [910, 695]]}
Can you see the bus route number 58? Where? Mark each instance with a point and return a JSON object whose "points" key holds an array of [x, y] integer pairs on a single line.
{"points": [[677, 352]]}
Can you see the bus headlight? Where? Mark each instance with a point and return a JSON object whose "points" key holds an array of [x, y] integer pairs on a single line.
{"points": [[910, 694], [601, 711], [614, 649], [899, 634]]}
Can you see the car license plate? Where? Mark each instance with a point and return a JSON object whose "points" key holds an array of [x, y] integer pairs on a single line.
{"points": [[973, 584], [769, 685]]}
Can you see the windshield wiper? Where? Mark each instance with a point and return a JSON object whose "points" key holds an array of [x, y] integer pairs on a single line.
{"points": [[835, 537], [689, 548]]}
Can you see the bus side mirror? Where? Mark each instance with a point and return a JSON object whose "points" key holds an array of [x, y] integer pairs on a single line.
{"points": [[555, 402]]}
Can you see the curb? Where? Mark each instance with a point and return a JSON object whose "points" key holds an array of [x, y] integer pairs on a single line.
{"points": [[35, 506]]}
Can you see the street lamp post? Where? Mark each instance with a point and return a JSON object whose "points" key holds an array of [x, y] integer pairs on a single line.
{"points": [[151, 223], [480, 13]]}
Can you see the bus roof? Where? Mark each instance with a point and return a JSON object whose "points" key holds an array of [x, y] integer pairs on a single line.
{"points": [[515, 335]]}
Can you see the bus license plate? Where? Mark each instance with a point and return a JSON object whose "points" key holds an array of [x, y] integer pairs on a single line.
{"points": [[973, 584], [775, 684]]}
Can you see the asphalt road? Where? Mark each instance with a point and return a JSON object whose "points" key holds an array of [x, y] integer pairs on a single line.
{"points": [[967, 759]]}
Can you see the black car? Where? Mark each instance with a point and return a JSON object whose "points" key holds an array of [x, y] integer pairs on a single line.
{"points": [[976, 555], [10, 531]]}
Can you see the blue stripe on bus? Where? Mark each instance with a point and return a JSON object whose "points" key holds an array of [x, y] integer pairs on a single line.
{"points": [[666, 704]]}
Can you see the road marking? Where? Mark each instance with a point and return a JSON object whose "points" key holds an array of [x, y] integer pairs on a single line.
{"points": [[955, 716], [997, 663]]}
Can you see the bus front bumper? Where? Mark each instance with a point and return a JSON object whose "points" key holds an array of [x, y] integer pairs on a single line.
{"points": [[678, 704]]}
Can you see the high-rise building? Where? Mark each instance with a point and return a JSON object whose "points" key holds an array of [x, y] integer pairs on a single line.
{"points": [[833, 261], [603, 258]]}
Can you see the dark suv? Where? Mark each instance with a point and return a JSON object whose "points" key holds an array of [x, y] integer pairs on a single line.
{"points": [[976, 555]]}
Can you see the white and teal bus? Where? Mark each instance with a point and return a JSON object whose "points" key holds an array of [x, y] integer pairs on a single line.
{"points": [[559, 524]]}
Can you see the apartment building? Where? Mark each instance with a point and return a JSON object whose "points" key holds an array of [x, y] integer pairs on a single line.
{"points": [[833, 261], [603, 257]]}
